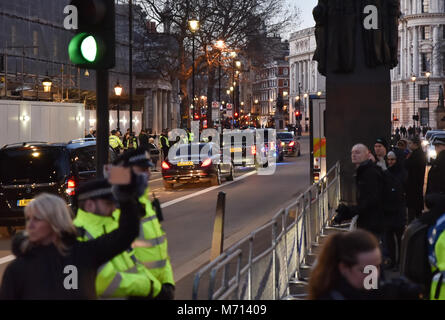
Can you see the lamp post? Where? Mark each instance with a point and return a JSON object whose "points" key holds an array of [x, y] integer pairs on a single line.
{"points": [[220, 44], [194, 26], [413, 79], [118, 92], [428, 75]]}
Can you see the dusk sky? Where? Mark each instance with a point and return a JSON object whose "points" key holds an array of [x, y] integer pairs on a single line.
{"points": [[306, 7]]}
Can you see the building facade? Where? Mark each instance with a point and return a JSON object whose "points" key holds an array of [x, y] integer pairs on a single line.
{"points": [[421, 55], [304, 76]]}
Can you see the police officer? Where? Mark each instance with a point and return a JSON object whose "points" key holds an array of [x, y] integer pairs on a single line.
{"points": [[151, 246], [165, 144], [131, 142], [436, 176], [115, 142], [124, 275]]}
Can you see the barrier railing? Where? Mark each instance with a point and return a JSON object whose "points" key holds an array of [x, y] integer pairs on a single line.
{"points": [[253, 269]]}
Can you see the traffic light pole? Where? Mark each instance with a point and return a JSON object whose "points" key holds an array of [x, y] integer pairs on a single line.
{"points": [[130, 37], [103, 125]]}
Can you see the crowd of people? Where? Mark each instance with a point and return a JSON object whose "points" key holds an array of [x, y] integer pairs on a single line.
{"points": [[115, 246], [390, 199]]}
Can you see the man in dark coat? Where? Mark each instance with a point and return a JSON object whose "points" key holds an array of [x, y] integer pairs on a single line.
{"points": [[436, 176], [415, 165], [369, 196], [143, 140]]}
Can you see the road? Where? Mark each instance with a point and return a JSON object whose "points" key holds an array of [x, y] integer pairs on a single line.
{"points": [[189, 211]]}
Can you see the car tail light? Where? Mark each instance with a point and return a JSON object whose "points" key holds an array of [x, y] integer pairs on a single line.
{"points": [[253, 150], [165, 165], [292, 144], [71, 186], [206, 163]]}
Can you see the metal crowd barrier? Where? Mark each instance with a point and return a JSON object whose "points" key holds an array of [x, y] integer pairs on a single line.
{"points": [[254, 270]]}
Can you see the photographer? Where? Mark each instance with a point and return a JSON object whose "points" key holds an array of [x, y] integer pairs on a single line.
{"points": [[51, 263]]}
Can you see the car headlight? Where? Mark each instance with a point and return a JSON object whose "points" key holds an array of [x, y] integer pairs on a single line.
{"points": [[432, 154], [283, 144], [425, 143]]}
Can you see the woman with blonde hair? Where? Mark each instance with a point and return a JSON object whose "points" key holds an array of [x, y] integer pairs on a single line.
{"points": [[51, 263]]}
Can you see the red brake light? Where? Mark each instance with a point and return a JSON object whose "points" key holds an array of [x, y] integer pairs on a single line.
{"points": [[253, 150], [165, 165], [71, 183], [71, 186], [206, 163], [292, 144]]}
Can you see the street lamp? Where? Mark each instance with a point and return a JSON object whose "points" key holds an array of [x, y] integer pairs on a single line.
{"points": [[220, 44], [194, 26], [428, 75], [413, 79], [47, 83], [118, 92]]}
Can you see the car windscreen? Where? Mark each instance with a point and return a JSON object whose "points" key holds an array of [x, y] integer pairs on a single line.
{"points": [[33, 165], [285, 135], [193, 150]]}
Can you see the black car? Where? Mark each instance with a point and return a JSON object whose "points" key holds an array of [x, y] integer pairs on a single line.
{"points": [[290, 144], [194, 164], [30, 168]]}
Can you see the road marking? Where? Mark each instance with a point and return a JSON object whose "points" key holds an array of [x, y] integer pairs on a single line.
{"points": [[7, 259], [155, 180], [170, 203]]}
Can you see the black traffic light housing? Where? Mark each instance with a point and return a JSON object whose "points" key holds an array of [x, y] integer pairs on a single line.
{"points": [[96, 28]]}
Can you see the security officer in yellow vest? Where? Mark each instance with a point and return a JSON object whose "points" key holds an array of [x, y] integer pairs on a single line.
{"points": [[131, 142], [124, 275], [115, 142], [151, 246], [164, 143]]}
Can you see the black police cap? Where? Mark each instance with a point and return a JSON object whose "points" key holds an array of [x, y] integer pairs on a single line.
{"points": [[96, 189], [138, 157]]}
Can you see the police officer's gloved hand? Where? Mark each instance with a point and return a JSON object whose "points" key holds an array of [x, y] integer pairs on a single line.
{"points": [[134, 190]]}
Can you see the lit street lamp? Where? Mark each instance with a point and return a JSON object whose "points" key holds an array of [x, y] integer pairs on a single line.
{"points": [[428, 75], [47, 83], [194, 26], [118, 92]]}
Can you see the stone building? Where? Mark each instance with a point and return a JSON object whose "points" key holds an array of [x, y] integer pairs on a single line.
{"points": [[421, 54], [304, 76]]}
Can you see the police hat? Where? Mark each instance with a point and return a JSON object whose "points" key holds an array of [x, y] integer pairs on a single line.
{"points": [[438, 140], [96, 189], [139, 157]]}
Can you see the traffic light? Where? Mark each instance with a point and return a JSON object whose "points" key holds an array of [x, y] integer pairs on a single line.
{"points": [[236, 115], [298, 115], [196, 116], [416, 117], [93, 46]]}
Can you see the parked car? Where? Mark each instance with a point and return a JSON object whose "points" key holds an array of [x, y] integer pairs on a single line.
{"points": [[290, 143], [194, 164], [30, 168]]}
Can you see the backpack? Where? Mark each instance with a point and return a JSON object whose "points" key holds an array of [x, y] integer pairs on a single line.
{"points": [[414, 263]]}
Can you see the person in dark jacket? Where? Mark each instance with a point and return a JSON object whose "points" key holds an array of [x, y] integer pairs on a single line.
{"points": [[368, 195], [51, 263], [436, 176], [415, 165], [338, 273], [143, 140], [395, 214]]}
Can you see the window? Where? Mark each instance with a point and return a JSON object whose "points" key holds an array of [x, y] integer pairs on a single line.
{"points": [[84, 159], [395, 93], [443, 31], [423, 91], [426, 58], [425, 6], [443, 62], [285, 83], [286, 72], [425, 32]]}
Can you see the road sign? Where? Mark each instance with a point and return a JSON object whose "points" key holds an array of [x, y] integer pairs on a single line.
{"points": [[215, 110]]}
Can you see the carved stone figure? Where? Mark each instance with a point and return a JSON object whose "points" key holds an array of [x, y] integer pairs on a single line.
{"points": [[337, 22]]}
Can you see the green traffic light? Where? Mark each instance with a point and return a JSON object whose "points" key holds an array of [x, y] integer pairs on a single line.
{"points": [[83, 48]]}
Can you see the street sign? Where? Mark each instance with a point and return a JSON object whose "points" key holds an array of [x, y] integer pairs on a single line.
{"points": [[229, 112], [215, 110]]}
